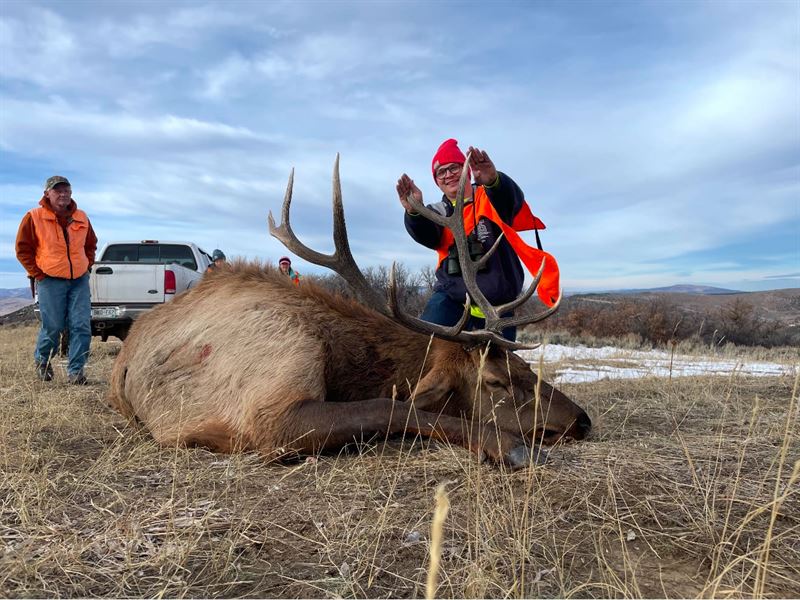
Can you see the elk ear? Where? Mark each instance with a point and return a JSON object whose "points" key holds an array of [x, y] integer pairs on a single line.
{"points": [[434, 390]]}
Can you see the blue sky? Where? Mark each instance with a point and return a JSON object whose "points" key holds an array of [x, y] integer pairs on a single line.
{"points": [[659, 141]]}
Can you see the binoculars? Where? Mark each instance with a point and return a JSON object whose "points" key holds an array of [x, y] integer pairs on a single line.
{"points": [[476, 251]]}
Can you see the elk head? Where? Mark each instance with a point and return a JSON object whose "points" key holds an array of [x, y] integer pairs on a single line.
{"points": [[507, 392]]}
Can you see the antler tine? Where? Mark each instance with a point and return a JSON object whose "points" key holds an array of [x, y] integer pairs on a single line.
{"points": [[509, 306], [339, 227], [462, 185], [341, 261], [452, 222], [284, 233], [429, 214], [485, 258], [453, 333], [527, 320]]}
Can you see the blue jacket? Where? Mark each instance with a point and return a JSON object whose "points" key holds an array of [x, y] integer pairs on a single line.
{"points": [[502, 280]]}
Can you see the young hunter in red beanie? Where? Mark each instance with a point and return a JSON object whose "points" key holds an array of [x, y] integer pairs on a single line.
{"points": [[496, 205], [448, 153]]}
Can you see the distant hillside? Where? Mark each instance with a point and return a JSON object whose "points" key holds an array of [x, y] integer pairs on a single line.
{"points": [[745, 318], [15, 293], [776, 305], [21, 316], [9, 305], [12, 299], [706, 290]]}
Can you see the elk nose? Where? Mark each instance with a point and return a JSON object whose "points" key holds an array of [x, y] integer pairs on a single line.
{"points": [[583, 425]]}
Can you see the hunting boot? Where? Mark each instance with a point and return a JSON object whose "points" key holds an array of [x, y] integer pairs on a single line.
{"points": [[44, 371], [78, 378]]}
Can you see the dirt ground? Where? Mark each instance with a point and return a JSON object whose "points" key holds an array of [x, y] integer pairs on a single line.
{"points": [[686, 488]]}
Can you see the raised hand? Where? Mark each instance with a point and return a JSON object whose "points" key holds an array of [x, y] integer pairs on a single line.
{"points": [[405, 188], [483, 170]]}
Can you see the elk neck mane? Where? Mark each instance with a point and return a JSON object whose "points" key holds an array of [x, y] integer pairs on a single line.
{"points": [[241, 274]]}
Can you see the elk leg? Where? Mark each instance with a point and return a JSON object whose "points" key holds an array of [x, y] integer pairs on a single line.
{"points": [[312, 426]]}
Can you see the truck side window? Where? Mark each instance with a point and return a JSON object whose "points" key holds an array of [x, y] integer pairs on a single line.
{"points": [[174, 253]]}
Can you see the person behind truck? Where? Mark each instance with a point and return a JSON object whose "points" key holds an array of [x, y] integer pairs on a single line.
{"points": [[56, 244], [217, 260], [285, 265]]}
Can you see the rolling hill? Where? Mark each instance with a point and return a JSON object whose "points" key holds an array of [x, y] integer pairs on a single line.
{"points": [[12, 299]]}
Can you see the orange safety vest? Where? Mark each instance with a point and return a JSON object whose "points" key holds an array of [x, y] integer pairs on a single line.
{"points": [[524, 220], [54, 255]]}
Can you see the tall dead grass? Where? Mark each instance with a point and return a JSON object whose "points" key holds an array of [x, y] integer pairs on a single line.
{"points": [[687, 488]]}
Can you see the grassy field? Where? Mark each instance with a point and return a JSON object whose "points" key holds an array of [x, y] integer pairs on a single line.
{"points": [[686, 488]]}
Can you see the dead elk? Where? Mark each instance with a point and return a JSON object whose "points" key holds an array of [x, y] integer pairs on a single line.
{"points": [[247, 361]]}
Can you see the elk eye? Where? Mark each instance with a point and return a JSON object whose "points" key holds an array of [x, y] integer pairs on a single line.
{"points": [[496, 385]]}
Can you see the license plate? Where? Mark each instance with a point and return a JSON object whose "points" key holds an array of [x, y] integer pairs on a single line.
{"points": [[106, 312]]}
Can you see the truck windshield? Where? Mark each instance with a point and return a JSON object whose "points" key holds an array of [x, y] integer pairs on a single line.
{"points": [[165, 254]]}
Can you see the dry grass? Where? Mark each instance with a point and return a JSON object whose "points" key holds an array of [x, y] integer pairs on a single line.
{"points": [[687, 488]]}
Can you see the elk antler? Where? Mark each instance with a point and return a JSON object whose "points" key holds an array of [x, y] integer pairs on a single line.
{"points": [[495, 323], [341, 261]]}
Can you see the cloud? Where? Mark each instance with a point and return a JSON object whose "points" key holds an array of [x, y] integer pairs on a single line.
{"points": [[223, 80], [91, 130], [39, 49], [340, 66]]}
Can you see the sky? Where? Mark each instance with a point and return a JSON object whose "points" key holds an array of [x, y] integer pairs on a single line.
{"points": [[658, 141]]}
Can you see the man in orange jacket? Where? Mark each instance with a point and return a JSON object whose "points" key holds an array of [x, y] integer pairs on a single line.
{"points": [[56, 245]]}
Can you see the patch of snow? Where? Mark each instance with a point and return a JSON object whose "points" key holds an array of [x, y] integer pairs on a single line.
{"points": [[633, 364]]}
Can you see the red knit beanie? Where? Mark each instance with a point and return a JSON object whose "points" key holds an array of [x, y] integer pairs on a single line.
{"points": [[447, 153]]}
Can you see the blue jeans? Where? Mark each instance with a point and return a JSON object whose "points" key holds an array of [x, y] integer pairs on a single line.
{"points": [[442, 310], [65, 303]]}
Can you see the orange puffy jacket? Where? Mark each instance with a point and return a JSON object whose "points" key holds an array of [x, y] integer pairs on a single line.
{"points": [[58, 250]]}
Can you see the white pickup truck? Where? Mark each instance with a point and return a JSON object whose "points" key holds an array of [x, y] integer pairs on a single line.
{"points": [[131, 278]]}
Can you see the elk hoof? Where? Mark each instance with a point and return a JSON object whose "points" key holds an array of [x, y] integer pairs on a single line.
{"points": [[522, 456]]}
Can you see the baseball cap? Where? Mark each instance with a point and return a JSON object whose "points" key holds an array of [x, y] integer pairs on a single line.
{"points": [[54, 181]]}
